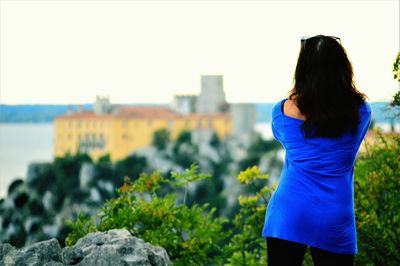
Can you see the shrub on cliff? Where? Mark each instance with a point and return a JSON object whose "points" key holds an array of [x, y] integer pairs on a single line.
{"points": [[246, 245], [377, 190], [190, 235]]}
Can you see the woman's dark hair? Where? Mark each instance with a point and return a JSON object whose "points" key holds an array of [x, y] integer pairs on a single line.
{"points": [[324, 88]]}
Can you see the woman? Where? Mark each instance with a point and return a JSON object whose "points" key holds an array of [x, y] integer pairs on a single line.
{"points": [[321, 126]]}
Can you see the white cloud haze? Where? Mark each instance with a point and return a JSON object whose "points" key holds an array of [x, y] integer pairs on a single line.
{"points": [[133, 51]]}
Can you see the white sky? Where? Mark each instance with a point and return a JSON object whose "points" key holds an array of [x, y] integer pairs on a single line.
{"points": [[133, 51]]}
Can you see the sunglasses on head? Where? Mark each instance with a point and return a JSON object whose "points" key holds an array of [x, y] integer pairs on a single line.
{"points": [[303, 39]]}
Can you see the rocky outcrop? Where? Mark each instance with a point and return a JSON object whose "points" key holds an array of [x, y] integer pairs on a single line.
{"points": [[41, 253], [114, 247]]}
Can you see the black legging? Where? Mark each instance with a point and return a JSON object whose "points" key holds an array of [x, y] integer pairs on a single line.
{"points": [[287, 253]]}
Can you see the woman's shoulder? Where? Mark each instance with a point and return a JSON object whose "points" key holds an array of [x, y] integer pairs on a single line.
{"points": [[365, 107], [287, 109], [276, 109]]}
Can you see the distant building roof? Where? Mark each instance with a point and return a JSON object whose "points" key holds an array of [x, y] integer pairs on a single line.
{"points": [[140, 112], [84, 114], [145, 112]]}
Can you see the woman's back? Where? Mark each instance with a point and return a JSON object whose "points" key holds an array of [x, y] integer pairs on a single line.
{"points": [[313, 203], [332, 155]]}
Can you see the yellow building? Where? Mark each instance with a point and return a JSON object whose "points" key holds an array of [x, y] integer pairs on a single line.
{"points": [[128, 129]]}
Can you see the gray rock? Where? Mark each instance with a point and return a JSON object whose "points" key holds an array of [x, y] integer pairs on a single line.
{"points": [[114, 247], [4, 250], [38, 254]]}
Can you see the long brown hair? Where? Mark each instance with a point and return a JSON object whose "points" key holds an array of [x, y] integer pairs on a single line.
{"points": [[324, 88]]}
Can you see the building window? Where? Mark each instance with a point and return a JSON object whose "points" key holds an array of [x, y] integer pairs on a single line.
{"points": [[125, 123], [210, 123], [149, 122]]}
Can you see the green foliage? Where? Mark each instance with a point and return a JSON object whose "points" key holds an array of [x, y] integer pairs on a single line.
{"points": [[184, 137], [377, 190], [191, 236], [246, 246], [82, 226], [148, 183], [161, 138], [131, 166], [105, 158], [215, 141], [65, 173], [184, 151], [396, 68], [396, 76], [189, 175], [257, 149], [14, 185], [211, 190], [26, 221], [396, 99]]}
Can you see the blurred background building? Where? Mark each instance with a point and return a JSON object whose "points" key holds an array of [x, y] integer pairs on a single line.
{"points": [[121, 130]]}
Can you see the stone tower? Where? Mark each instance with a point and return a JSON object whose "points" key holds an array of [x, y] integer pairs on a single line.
{"points": [[212, 95]]}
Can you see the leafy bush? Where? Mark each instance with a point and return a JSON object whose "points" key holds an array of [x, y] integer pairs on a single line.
{"points": [[131, 166], [257, 149], [246, 245], [184, 150], [191, 236], [195, 236], [396, 76], [161, 138], [377, 190], [81, 227]]}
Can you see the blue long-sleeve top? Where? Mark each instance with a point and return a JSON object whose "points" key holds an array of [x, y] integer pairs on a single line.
{"points": [[313, 203]]}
